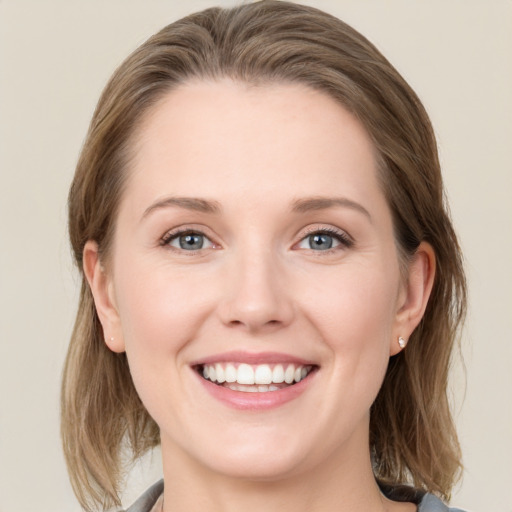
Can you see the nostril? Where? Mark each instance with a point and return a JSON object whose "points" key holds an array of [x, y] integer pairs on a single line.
{"points": [[254, 325]]}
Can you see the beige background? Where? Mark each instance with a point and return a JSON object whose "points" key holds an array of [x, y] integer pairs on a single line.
{"points": [[55, 57]]}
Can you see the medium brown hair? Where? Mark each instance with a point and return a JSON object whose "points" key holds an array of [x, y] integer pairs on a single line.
{"points": [[413, 439]]}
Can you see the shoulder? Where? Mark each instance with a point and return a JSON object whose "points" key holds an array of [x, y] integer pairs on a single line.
{"points": [[431, 503], [146, 502], [428, 503]]}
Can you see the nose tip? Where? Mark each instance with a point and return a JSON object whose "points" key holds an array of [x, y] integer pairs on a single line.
{"points": [[254, 321], [256, 300]]}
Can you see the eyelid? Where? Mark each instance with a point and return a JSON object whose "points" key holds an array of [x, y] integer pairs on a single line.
{"points": [[344, 239], [186, 229]]}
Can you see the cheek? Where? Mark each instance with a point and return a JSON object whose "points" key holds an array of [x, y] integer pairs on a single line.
{"points": [[158, 313], [159, 316], [355, 318], [355, 303]]}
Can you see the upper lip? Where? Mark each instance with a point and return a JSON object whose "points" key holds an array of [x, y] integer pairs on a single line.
{"points": [[238, 356]]}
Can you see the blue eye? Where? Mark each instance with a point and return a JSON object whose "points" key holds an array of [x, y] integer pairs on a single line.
{"points": [[324, 240], [321, 241], [191, 241], [188, 241]]}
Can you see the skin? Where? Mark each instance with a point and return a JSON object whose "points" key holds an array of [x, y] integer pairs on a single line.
{"points": [[258, 285]]}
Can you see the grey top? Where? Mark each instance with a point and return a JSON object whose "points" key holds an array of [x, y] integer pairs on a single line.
{"points": [[427, 503]]}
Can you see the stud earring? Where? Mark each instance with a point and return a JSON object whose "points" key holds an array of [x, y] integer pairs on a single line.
{"points": [[401, 342]]}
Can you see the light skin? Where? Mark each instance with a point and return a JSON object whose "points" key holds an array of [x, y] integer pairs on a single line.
{"points": [[292, 253]]}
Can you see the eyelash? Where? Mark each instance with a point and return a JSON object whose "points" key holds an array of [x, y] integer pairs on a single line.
{"points": [[172, 235], [340, 236]]}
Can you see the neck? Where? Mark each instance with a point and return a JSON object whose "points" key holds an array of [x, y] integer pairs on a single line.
{"points": [[343, 483]]}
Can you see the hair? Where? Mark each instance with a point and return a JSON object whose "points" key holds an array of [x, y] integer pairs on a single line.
{"points": [[412, 435]]}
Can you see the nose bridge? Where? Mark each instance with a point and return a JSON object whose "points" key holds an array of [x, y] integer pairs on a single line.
{"points": [[256, 296]]}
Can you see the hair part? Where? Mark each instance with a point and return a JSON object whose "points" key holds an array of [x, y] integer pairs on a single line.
{"points": [[413, 439]]}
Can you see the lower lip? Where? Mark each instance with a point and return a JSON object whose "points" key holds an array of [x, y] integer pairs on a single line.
{"points": [[256, 401]]}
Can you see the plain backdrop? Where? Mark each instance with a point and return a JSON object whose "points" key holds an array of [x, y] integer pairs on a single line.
{"points": [[55, 57]]}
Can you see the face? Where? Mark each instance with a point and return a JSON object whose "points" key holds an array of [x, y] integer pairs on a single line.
{"points": [[254, 282]]}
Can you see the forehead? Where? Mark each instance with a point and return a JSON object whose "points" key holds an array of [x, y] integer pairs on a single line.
{"points": [[228, 138]]}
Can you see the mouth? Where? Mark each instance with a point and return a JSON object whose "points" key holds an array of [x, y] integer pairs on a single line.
{"points": [[255, 378]]}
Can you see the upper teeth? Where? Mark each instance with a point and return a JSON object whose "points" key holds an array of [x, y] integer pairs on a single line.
{"points": [[255, 374]]}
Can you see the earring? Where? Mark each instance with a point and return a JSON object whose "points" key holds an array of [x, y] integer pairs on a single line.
{"points": [[111, 338], [401, 342]]}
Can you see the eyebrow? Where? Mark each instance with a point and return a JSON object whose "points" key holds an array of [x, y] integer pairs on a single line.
{"points": [[303, 205], [188, 203], [323, 203]]}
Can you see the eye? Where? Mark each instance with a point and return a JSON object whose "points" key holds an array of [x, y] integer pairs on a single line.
{"points": [[321, 241], [324, 240], [187, 241]]}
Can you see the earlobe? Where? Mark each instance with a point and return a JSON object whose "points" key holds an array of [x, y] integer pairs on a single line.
{"points": [[101, 288], [415, 296]]}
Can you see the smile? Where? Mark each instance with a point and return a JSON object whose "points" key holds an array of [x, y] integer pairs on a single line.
{"points": [[261, 378]]}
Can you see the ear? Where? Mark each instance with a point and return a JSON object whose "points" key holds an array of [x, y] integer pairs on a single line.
{"points": [[414, 295], [102, 290]]}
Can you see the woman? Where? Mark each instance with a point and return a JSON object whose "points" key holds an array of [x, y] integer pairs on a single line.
{"points": [[271, 284]]}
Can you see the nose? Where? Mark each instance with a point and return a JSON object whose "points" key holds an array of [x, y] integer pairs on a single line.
{"points": [[256, 298]]}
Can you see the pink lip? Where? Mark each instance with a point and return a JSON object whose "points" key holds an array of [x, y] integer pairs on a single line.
{"points": [[252, 358], [257, 401]]}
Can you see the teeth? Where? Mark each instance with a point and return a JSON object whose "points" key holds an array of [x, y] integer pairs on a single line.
{"points": [[252, 389], [263, 374], [219, 371], [278, 374], [230, 373], [245, 374], [289, 374], [260, 377]]}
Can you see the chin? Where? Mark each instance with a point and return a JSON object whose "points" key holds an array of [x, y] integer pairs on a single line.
{"points": [[259, 467], [257, 454]]}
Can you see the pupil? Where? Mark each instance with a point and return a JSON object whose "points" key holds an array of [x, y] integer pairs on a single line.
{"points": [[191, 241], [320, 241]]}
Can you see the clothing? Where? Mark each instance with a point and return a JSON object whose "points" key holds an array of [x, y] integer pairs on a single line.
{"points": [[149, 501]]}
